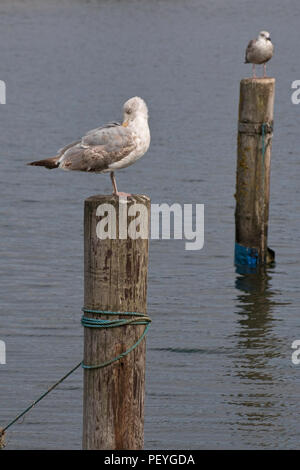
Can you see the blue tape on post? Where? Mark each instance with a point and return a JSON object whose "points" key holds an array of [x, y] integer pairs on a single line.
{"points": [[246, 256]]}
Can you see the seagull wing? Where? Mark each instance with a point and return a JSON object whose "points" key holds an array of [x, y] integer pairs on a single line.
{"points": [[99, 148], [110, 124], [249, 48], [66, 147]]}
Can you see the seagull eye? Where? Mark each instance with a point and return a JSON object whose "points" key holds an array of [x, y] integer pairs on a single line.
{"points": [[129, 111]]}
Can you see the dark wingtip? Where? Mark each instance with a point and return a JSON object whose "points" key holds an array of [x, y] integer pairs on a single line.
{"points": [[49, 163], [34, 163]]}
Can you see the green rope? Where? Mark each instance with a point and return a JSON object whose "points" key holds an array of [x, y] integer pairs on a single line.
{"points": [[136, 319], [2, 431]]}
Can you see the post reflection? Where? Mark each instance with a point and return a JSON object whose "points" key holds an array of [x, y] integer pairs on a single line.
{"points": [[257, 398], [257, 340]]}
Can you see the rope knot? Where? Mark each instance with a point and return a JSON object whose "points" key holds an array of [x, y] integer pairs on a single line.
{"points": [[136, 319]]}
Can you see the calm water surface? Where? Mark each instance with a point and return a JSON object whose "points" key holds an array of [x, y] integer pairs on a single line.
{"points": [[219, 370]]}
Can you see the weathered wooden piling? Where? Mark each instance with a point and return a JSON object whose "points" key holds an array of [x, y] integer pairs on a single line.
{"points": [[115, 279], [255, 131]]}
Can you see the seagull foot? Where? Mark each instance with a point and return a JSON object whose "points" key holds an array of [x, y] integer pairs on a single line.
{"points": [[120, 194]]}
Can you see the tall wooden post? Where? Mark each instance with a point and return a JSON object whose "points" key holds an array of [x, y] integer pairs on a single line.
{"points": [[255, 130], [115, 279]]}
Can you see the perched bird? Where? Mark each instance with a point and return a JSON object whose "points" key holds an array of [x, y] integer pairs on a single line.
{"points": [[259, 51], [107, 148]]}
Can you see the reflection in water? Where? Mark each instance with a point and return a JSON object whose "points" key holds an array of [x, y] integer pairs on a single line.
{"points": [[257, 348], [256, 337]]}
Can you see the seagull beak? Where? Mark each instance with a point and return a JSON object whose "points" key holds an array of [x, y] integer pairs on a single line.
{"points": [[268, 39], [125, 124]]}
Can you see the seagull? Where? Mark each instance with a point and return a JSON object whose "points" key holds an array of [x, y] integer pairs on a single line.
{"points": [[259, 51], [107, 148]]}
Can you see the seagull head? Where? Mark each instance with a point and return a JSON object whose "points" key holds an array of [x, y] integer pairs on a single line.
{"points": [[264, 36], [134, 108]]}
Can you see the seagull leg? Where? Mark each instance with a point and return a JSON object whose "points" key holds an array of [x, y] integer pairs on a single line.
{"points": [[265, 70], [115, 191], [253, 71], [113, 180]]}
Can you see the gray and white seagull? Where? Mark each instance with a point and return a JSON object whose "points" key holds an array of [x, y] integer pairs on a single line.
{"points": [[108, 148], [259, 51]]}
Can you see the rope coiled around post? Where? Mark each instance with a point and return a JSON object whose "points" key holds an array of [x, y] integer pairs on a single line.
{"points": [[136, 319], [87, 322]]}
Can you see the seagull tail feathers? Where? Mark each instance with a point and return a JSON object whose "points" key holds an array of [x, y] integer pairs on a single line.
{"points": [[49, 163]]}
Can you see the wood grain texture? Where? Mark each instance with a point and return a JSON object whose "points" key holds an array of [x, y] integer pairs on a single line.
{"points": [[253, 170], [115, 279]]}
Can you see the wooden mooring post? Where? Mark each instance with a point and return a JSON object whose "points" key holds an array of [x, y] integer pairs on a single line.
{"points": [[255, 131], [115, 280]]}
